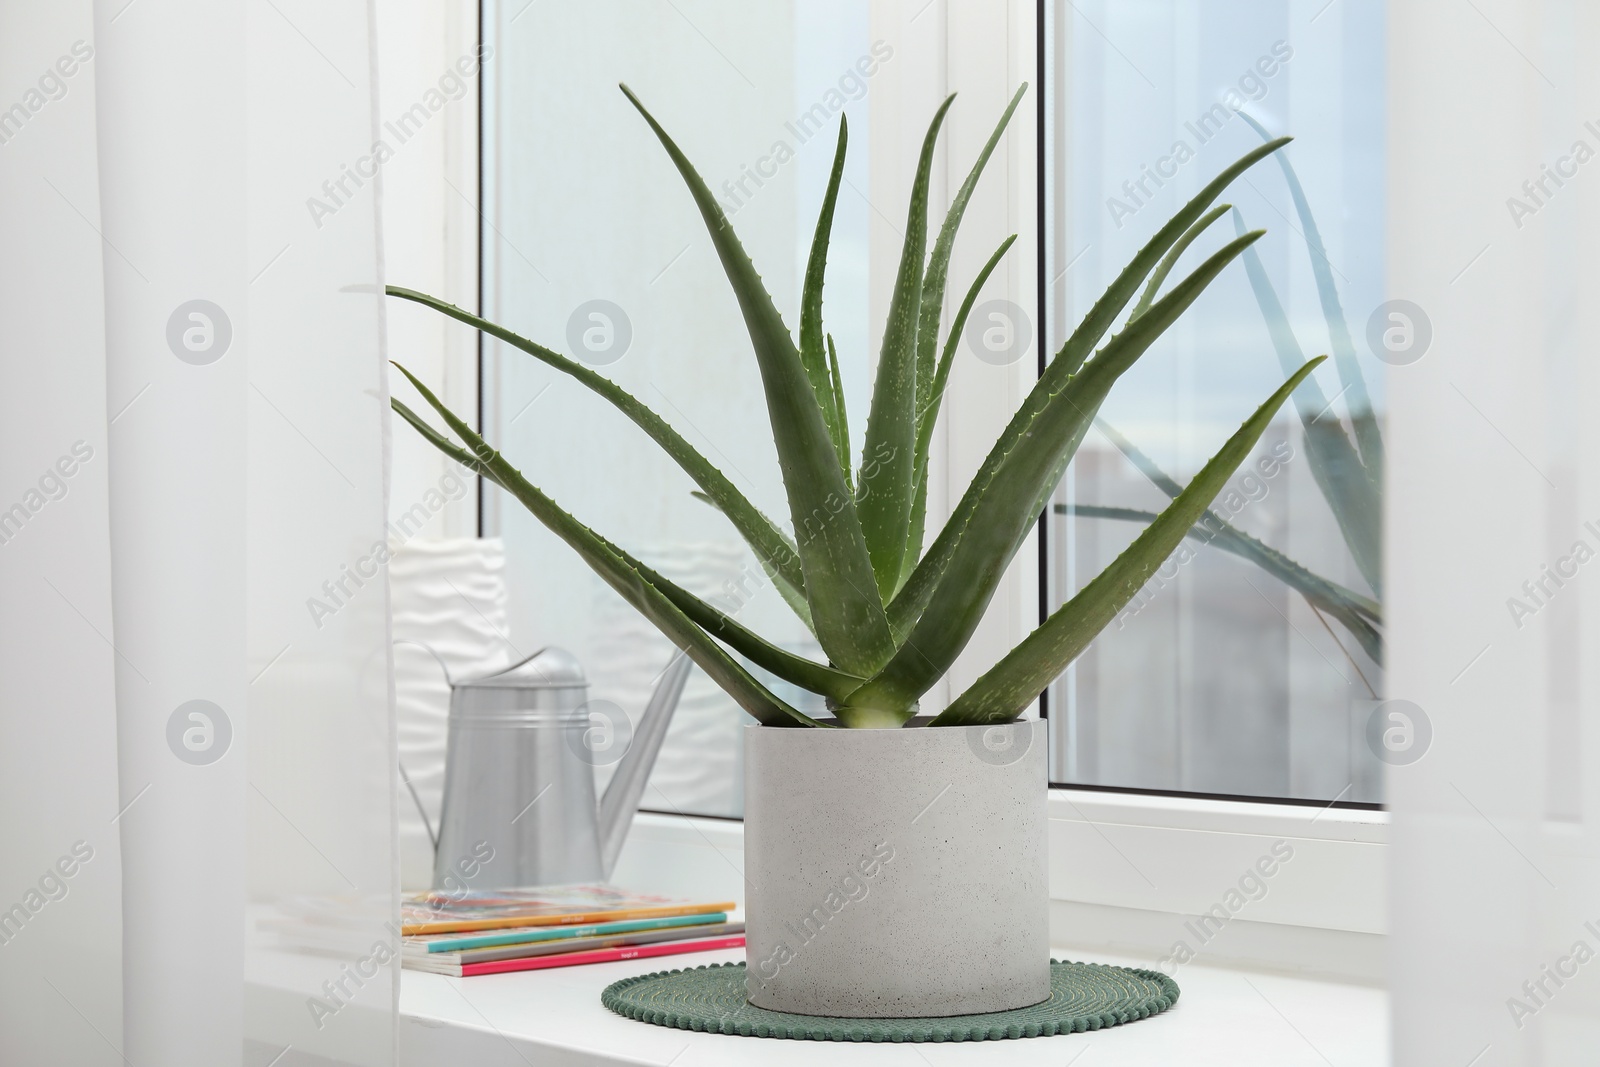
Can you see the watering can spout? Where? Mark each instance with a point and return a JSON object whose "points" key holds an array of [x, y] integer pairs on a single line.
{"points": [[622, 795]]}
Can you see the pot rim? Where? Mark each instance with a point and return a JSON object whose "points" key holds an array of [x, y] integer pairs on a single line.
{"points": [[916, 724]]}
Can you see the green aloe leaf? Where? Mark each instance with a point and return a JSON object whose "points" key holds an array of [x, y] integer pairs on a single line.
{"points": [[844, 414], [1170, 260], [1369, 439], [769, 543], [812, 355], [928, 414], [845, 607], [888, 458], [625, 578], [1012, 501], [441, 442], [938, 270], [1335, 465], [917, 530], [909, 604], [1005, 689]]}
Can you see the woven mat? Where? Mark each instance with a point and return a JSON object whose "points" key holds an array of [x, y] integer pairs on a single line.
{"points": [[1083, 996]]}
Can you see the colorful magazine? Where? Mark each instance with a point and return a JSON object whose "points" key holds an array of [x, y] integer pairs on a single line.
{"points": [[450, 962], [459, 942], [435, 913], [604, 955]]}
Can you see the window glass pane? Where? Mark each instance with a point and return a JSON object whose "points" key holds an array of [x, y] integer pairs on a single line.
{"points": [[1221, 677], [593, 247]]}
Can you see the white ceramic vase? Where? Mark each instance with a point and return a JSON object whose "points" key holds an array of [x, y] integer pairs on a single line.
{"points": [[896, 873]]}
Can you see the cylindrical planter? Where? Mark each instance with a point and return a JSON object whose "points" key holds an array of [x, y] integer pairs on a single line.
{"points": [[896, 873]]}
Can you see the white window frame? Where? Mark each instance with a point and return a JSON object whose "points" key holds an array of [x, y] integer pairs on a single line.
{"points": [[1131, 873], [431, 228]]}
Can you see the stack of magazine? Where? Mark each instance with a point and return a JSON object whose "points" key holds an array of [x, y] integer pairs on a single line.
{"points": [[464, 934]]}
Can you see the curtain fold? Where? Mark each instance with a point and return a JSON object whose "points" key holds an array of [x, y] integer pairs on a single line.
{"points": [[60, 863], [173, 214]]}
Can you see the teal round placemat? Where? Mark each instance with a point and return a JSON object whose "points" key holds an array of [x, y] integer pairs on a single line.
{"points": [[1083, 996]]}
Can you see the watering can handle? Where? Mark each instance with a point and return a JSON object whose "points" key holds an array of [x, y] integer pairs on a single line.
{"points": [[418, 644], [427, 824]]}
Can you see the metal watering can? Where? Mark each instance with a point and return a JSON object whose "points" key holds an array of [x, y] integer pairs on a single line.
{"points": [[519, 798]]}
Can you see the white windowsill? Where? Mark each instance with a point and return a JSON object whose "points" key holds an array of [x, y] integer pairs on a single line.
{"points": [[1290, 978], [1225, 1018]]}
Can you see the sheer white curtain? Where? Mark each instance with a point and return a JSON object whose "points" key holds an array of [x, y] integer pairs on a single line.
{"points": [[59, 956], [194, 643], [1495, 213]]}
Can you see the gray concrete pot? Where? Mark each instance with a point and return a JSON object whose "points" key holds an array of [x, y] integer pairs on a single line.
{"points": [[896, 873]]}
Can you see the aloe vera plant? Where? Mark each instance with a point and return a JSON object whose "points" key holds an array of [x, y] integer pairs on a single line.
{"points": [[1347, 467], [889, 615]]}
